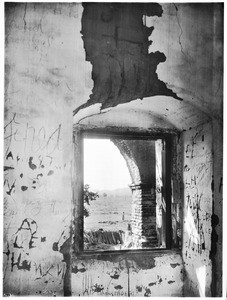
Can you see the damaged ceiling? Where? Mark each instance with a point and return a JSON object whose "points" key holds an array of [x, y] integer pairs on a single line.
{"points": [[148, 66]]}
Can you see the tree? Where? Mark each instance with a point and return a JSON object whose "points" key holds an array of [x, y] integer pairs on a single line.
{"points": [[88, 197]]}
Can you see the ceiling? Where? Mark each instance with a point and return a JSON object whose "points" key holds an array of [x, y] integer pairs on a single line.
{"points": [[153, 65]]}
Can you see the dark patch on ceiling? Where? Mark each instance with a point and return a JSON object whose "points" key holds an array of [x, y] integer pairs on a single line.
{"points": [[116, 43]]}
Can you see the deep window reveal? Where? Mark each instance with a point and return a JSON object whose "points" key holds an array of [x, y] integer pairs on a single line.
{"points": [[146, 223]]}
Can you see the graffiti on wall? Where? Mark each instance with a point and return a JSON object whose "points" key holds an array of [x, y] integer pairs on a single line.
{"points": [[29, 162], [18, 256], [33, 159], [198, 197], [31, 138]]}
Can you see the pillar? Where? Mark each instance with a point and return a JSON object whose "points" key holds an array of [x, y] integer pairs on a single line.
{"points": [[144, 215]]}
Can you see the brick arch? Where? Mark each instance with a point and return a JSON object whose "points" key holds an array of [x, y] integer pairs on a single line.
{"points": [[140, 159], [130, 160]]}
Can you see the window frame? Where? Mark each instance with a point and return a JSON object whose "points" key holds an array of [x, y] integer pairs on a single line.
{"points": [[78, 218]]}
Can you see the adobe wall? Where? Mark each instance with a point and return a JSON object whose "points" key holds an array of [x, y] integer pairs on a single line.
{"points": [[41, 77], [198, 210], [46, 78], [150, 274]]}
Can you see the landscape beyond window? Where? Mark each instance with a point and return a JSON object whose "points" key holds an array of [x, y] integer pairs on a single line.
{"points": [[124, 199]]}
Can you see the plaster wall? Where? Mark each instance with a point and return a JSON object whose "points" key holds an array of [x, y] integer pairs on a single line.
{"points": [[198, 208], [42, 66], [192, 40], [147, 274], [46, 78]]}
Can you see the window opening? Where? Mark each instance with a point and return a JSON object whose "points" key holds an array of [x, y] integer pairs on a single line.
{"points": [[125, 193], [107, 179]]}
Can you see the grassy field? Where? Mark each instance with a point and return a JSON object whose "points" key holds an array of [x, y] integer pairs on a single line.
{"points": [[110, 212]]}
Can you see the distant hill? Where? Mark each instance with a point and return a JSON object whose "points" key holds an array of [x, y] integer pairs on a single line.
{"points": [[123, 192]]}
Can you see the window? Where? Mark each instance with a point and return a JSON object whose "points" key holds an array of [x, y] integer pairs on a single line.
{"points": [[125, 191]]}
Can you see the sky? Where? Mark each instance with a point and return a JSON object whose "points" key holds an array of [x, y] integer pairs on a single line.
{"points": [[104, 166]]}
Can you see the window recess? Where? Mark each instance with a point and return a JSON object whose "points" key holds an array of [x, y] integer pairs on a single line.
{"points": [[125, 192]]}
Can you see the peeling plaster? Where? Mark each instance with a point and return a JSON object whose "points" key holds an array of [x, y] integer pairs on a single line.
{"points": [[38, 140], [198, 220], [123, 70]]}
